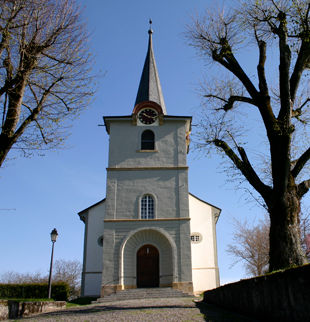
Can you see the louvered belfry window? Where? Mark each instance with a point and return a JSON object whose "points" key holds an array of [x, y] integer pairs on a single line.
{"points": [[147, 207]]}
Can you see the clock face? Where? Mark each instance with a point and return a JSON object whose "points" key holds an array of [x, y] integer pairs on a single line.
{"points": [[147, 116]]}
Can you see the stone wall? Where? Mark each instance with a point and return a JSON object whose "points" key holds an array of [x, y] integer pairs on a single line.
{"points": [[10, 309], [282, 296], [4, 311]]}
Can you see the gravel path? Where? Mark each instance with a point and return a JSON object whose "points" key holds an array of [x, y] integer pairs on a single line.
{"points": [[172, 309]]}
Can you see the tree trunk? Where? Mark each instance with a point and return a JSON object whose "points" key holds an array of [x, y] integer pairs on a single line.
{"points": [[5, 146], [285, 248]]}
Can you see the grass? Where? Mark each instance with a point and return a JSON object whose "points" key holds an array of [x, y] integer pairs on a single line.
{"points": [[284, 269], [69, 304]]}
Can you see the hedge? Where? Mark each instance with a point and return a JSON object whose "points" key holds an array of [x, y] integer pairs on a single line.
{"points": [[60, 291]]}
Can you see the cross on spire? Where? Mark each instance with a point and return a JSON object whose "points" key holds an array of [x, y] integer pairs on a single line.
{"points": [[150, 29]]}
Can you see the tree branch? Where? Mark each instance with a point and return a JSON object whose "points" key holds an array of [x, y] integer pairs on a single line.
{"points": [[226, 58], [61, 61], [35, 112], [27, 107], [261, 69], [303, 188], [246, 168], [4, 109], [284, 70], [230, 101], [68, 108], [33, 93], [235, 98], [298, 111], [8, 84], [215, 96], [300, 65], [41, 131], [5, 30], [300, 163], [304, 103]]}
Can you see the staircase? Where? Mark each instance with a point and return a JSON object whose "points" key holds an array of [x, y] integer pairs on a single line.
{"points": [[143, 293]]}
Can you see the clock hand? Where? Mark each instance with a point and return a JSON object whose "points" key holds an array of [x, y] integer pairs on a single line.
{"points": [[147, 116], [144, 114]]}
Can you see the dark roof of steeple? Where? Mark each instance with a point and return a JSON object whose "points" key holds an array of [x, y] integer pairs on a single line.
{"points": [[149, 87]]}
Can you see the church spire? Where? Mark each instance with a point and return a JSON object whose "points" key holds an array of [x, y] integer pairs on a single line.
{"points": [[149, 87]]}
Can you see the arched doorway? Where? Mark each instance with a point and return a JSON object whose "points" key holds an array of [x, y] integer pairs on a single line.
{"points": [[148, 266], [148, 236]]}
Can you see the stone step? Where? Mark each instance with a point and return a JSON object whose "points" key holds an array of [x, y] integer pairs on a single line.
{"points": [[149, 290], [142, 293]]}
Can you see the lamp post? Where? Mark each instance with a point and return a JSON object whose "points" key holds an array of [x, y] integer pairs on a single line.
{"points": [[54, 235]]}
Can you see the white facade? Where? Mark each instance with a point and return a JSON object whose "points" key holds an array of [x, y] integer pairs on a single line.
{"points": [[93, 218], [203, 218], [204, 251], [149, 231]]}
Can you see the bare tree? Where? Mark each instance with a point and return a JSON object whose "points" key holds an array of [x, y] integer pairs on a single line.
{"points": [[250, 245], [12, 277], [45, 77], [281, 29], [69, 271]]}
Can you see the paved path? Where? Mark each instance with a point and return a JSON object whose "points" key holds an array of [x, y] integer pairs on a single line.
{"points": [[169, 309]]}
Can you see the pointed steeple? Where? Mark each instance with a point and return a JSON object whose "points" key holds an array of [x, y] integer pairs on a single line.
{"points": [[149, 87]]}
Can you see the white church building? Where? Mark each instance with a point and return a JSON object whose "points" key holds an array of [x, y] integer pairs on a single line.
{"points": [[149, 231]]}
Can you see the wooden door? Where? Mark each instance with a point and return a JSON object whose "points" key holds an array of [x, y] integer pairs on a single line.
{"points": [[148, 266]]}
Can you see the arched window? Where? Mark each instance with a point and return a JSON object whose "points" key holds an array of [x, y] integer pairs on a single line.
{"points": [[147, 140], [147, 207]]}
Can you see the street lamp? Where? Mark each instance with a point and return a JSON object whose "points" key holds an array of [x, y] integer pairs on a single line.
{"points": [[54, 235]]}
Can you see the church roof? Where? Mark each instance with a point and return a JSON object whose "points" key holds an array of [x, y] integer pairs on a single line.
{"points": [[218, 210], [210, 204], [149, 87], [83, 212]]}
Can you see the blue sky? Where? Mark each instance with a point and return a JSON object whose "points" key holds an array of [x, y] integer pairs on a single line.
{"points": [[43, 192]]}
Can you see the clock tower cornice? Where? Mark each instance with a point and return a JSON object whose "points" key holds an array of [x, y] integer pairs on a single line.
{"points": [[148, 104]]}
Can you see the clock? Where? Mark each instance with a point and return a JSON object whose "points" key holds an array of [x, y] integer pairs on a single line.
{"points": [[147, 116]]}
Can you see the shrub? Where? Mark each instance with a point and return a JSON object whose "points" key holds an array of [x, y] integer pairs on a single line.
{"points": [[60, 291]]}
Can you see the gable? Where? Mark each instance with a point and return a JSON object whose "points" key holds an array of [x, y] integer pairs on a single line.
{"points": [[202, 207], [85, 212]]}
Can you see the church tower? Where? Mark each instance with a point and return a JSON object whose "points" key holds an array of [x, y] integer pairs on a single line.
{"points": [[146, 224], [148, 237]]}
